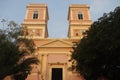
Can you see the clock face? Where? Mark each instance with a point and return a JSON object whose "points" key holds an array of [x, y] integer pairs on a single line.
{"points": [[33, 30]]}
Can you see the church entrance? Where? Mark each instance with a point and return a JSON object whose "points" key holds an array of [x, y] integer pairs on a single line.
{"points": [[57, 73]]}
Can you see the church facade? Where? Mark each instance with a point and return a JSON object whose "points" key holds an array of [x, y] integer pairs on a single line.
{"points": [[54, 53]]}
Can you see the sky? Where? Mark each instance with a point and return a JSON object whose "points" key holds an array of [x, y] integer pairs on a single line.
{"points": [[58, 11]]}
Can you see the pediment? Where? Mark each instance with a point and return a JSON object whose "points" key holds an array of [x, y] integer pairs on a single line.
{"points": [[57, 43]]}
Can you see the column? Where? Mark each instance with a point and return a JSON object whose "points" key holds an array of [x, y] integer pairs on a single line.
{"points": [[44, 65]]}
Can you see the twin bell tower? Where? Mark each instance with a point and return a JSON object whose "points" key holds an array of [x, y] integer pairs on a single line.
{"points": [[37, 17]]}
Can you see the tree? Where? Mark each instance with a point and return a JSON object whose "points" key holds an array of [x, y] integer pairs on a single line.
{"points": [[14, 59], [98, 53]]}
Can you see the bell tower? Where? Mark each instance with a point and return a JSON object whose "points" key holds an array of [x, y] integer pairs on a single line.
{"points": [[35, 22], [79, 20]]}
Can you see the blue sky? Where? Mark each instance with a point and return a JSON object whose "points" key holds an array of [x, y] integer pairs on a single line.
{"points": [[58, 10]]}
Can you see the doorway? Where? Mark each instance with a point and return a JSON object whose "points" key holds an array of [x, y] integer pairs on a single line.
{"points": [[57, 74]]}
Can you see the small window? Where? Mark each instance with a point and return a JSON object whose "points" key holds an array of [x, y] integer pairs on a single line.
{"points": [[35, 15], [80, 16], [76, 34]]}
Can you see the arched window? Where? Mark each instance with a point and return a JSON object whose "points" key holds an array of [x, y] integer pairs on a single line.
{"points": [[80, 15], [35, 15]]}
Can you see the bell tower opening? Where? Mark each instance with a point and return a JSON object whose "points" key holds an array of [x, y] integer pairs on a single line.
{"points": [[57, 74]]}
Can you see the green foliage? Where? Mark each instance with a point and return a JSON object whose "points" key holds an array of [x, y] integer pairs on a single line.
{"points": [[98, 53], [13, 60]]}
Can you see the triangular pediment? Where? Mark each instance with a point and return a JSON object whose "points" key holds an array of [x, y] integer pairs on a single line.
{"points": [[57, 43]]}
